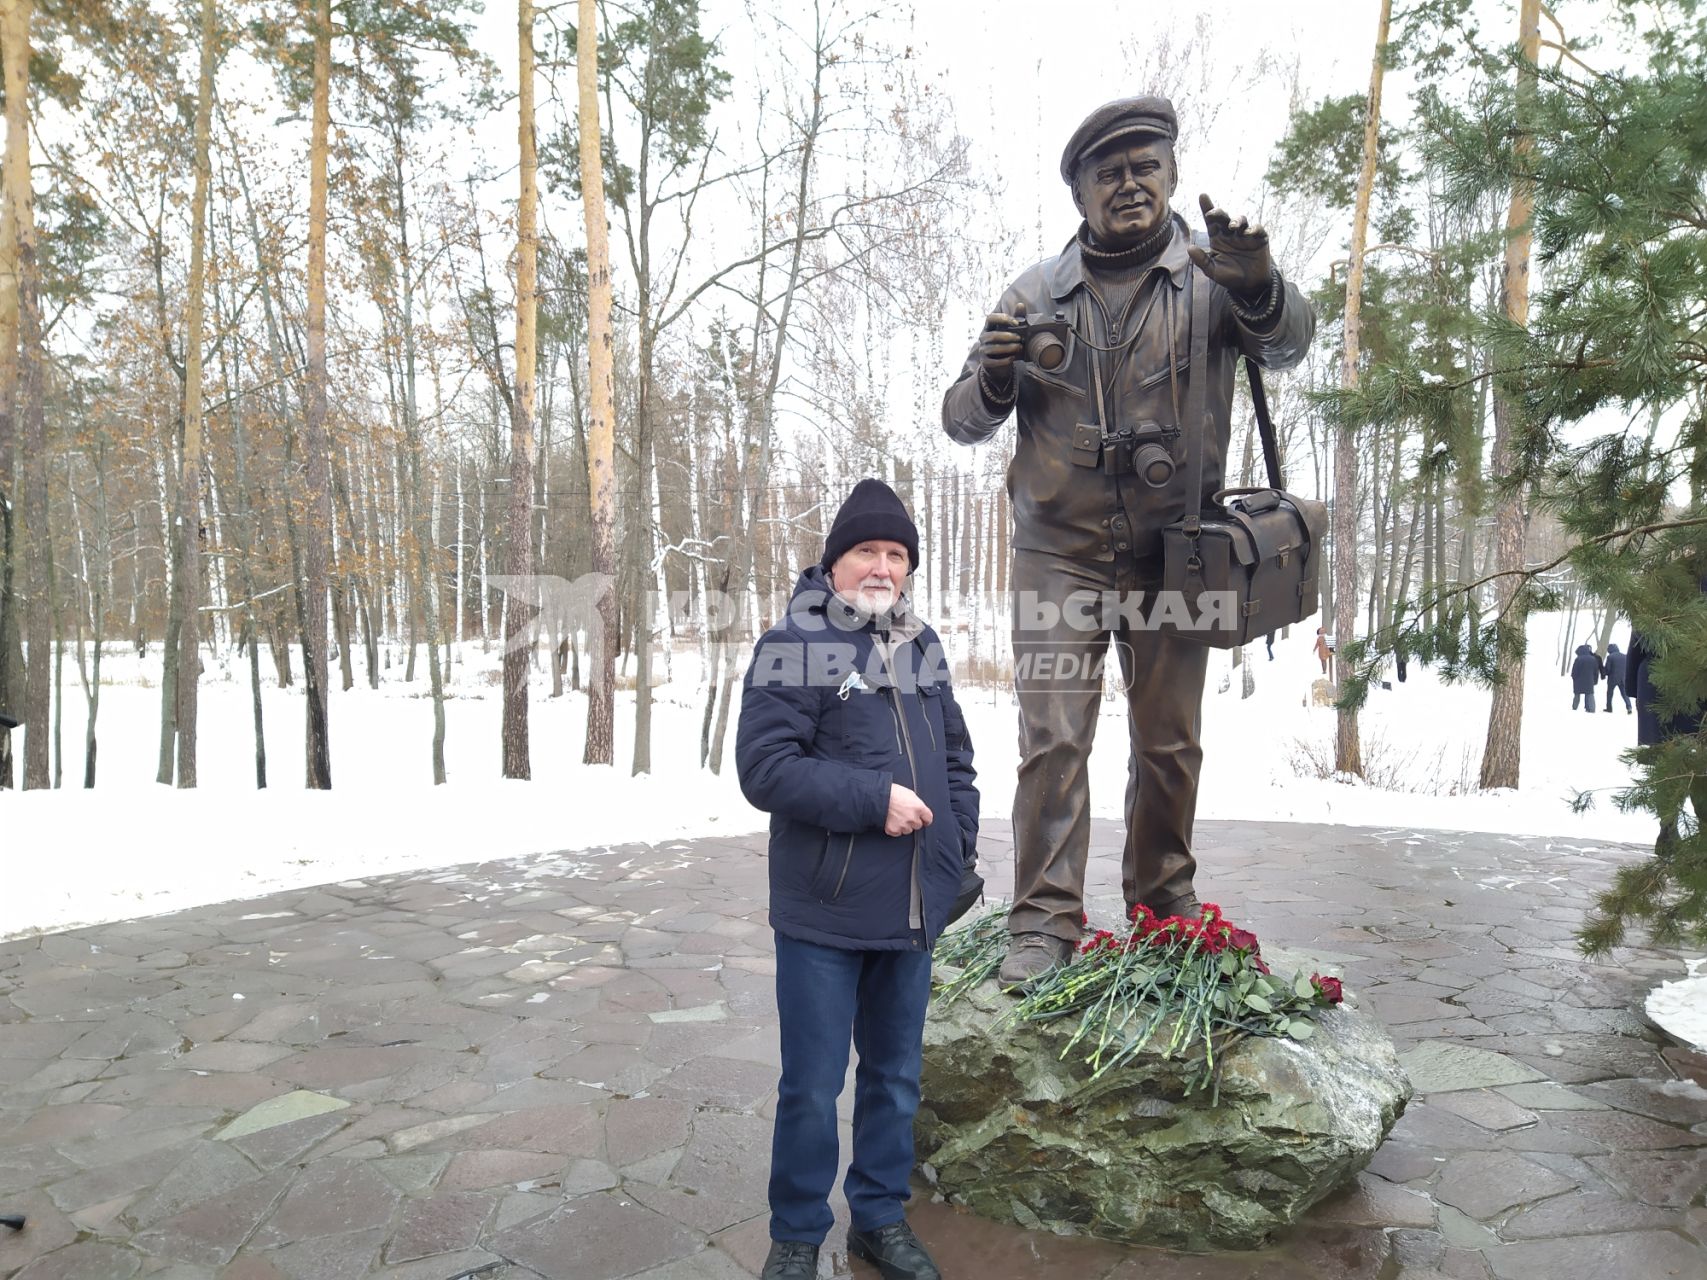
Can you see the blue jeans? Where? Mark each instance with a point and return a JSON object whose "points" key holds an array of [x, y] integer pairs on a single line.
{"points": [[822, 995]]}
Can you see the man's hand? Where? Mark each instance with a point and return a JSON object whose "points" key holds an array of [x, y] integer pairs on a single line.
{"points": [[907, 813], [1238, 259], [999, 346]]}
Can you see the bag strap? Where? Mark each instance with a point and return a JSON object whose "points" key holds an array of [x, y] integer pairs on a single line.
{"points": [[1196, 401], [1259, 402]]}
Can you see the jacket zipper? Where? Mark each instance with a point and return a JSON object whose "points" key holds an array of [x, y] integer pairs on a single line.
{"points": [[913, 766]]}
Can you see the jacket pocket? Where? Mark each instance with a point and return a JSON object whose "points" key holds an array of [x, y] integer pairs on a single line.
{"points": [[833, 864], [1050, 383], [930, 699], [1152, 380]]}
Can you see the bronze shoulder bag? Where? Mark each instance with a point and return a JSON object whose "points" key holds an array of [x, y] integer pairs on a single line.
{"points": [[1247, 564]]}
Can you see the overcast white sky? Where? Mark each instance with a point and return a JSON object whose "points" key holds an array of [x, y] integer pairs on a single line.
{"points": [[1020, 77]]}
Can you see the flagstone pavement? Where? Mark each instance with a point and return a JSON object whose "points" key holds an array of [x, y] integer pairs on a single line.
{"points": [[564, 1067]]}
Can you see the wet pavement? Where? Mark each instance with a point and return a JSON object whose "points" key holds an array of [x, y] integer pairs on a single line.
{"points": [[565, 1066]]}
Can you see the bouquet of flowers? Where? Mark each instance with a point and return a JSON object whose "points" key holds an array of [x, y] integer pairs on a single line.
{"points": [[1190, 985]]}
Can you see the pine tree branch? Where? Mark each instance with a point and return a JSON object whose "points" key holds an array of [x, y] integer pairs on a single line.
{"points": [[1566, 53]]}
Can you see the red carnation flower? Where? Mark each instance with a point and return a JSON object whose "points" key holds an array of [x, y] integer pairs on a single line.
{"points": [[1243, 940]]}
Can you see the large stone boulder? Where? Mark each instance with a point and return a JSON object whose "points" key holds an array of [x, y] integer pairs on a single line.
{"points": [[1016, 1134]]}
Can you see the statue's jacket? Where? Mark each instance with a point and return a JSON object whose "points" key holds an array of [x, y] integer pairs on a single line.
{"points": [[1077, 511], [835, 709]]}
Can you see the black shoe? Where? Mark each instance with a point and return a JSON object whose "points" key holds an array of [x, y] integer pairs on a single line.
{"points": [[791, 1260], [895, 1251]]}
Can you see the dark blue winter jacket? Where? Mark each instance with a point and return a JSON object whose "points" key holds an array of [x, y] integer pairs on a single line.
{"points": [[1616, 667], [1585, 671], [827, 725], [1651, 727]]}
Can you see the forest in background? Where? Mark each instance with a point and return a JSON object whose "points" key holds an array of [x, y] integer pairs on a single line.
{"points": [[294, 365]]}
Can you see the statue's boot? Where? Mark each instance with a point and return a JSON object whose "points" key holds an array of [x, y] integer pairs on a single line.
{"points": [[1030, 956]]}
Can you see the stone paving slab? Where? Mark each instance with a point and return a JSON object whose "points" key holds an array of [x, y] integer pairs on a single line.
{"points": [[564, 1068]]}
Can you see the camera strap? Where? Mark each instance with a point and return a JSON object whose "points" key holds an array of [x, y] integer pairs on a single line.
{"points": [[1096, 381], [1197, 407]]}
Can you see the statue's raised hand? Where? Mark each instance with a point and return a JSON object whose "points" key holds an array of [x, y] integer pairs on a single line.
{"points": [[1237, 258]]}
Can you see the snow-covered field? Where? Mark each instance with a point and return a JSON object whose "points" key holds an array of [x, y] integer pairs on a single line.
{"points": [[134, 848]]}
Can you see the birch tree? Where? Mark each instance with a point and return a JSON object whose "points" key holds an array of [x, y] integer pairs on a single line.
{"points": [[601, 387]]}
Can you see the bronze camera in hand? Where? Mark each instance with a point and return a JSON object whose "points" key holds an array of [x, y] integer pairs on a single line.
{"points": [[1044, 342], [1142, 450]]}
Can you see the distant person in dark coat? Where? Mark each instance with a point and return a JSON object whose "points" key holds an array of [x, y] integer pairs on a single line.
{"points": [[1585, 675], [1651, 729], [1616, 670]]}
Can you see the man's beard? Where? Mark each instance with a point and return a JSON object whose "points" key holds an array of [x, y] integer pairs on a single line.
{"points": [[867, 606]]}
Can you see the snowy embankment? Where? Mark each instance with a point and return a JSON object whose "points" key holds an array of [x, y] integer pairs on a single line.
{"points": [[133, 848]]}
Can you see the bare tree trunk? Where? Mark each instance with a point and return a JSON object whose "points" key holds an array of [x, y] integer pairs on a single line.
{"points": [[172, 533], [1390, 596], [1606, 625], [425, 528], [31, 424], [355, 579], [1378, 522], [341, 627], [188, 580], [232, 371], [945, 545], [95, 583], [1430, 588], [601, 433], [1502, 756], [519, 610], [11, 634], [1348, 752], [317, 521], [58, 696]]}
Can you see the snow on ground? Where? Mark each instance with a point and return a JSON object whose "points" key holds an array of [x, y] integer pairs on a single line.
{"points": [[134, 848], [1681, 1007]]}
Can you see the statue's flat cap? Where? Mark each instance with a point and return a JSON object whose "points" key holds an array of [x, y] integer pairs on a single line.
{"points": [[1147, 114]]}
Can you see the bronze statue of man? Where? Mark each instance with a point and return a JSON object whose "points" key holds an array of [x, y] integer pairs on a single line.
{"points": [[1112, 373]]}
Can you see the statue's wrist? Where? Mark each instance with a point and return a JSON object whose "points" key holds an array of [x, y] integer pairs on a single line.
{"points": [[998, 390], [1262, 307]]}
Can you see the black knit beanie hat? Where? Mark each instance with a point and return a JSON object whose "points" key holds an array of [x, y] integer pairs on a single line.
{"points": [[872, 512]]}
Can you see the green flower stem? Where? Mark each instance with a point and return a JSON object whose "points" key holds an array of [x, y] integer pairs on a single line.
{"points": [[1120, 1000]]}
